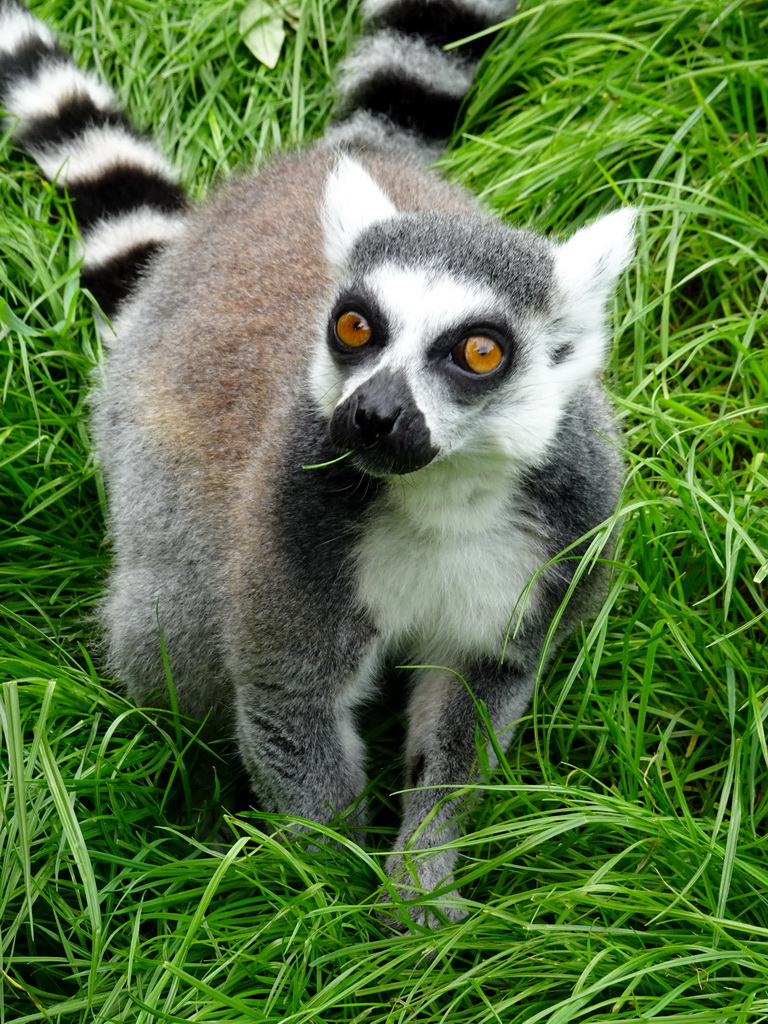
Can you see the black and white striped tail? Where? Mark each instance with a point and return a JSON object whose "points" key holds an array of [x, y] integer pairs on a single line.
{"points": [[400, 82], [126, 197]]}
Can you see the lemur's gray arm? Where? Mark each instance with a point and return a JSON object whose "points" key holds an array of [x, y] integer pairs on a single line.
{"points": [[441, 757]]}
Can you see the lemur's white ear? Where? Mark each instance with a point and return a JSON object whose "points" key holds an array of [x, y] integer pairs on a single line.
{"points": [[586, 269], [353, 202], [588, 264]]}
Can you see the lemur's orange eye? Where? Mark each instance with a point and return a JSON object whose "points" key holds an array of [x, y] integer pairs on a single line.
{"points": [[353, 330], [478, 354]]}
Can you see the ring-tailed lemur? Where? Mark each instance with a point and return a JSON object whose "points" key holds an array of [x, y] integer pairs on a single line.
{"points": [[344, 301]]}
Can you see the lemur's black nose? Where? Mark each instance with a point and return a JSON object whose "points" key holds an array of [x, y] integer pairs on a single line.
{"points": [[375, 419], [383, 425]]}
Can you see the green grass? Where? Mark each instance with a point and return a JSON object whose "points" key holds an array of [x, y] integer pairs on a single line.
{"points": [[617, 869]]}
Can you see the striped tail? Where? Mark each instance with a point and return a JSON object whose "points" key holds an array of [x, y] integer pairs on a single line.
{"points": [[399, 84], [126, 197]]}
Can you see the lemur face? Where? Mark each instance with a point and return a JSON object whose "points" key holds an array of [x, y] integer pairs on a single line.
{"points": [[417, 355], [475, 349]]}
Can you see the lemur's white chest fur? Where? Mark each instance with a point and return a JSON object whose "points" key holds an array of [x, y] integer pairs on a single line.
{"points": [[444, 561]]}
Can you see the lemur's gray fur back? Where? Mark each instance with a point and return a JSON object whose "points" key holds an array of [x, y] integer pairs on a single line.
{"points": [[347, 310]]}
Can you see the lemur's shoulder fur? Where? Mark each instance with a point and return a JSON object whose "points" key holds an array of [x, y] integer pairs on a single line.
{"points": [[346, 417]]}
